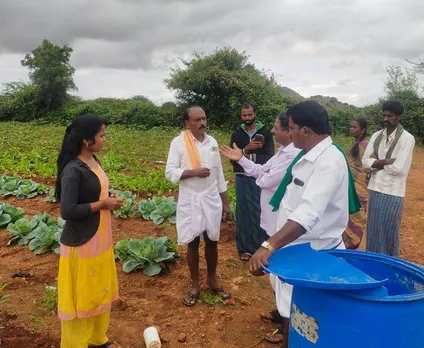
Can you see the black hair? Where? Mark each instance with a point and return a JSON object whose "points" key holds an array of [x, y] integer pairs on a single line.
{"points": [[312, 115], [84, 127], [247, 106], [330, 129], [393, 106], [363, 123], [186, 113], [284, 120]]}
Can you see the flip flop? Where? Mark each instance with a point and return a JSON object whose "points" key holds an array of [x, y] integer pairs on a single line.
{"points": [[221, 293], [273, 316], [245, 256], [105, 345], [276, 337], [190, 299]]}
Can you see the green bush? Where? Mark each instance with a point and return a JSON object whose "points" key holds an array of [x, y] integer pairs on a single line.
{"points": [[18, 102]]}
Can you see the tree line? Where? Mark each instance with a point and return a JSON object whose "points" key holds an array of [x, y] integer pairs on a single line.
{"points": [[220, 82]]}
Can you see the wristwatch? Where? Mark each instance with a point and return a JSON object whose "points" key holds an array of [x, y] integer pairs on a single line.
{"points": [[268, 246]]}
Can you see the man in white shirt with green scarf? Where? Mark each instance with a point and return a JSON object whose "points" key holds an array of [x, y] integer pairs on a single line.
{"points": [[313, 200]]}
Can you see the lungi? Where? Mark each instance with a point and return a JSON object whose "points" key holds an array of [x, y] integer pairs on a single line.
{"points": [[249, 233], [383, 223]]}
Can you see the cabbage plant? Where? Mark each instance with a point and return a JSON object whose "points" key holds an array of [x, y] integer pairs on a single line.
{"points": [[147, 254]]}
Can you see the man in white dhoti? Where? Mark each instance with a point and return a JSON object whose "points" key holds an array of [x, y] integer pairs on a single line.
{"points": [[195, 164], [313, 206]]}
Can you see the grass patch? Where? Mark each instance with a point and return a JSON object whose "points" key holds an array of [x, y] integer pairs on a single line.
{"points": [[50, 298], [231, 263], [211, 299], [4, 297]]}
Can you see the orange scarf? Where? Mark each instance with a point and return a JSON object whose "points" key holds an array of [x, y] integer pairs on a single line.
{"points": [[192, 152]]}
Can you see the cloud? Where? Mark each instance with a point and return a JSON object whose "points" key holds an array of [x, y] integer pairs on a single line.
{"points": [[335, 47]]}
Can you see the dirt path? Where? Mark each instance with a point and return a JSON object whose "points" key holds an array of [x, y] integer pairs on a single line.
{"points": [[412, 231], [157, 301]]}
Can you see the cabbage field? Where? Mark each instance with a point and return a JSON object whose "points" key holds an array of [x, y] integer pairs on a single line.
{"points": [[152, 269]]}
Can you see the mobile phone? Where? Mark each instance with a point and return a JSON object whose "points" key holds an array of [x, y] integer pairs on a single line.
{"points": [[259, 138]]}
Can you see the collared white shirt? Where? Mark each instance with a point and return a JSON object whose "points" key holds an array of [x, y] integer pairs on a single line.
{"points": [[177, 163], [317, 198], [268, 177], [391, 179]]}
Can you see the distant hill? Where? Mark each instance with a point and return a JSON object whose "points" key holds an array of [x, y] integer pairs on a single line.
{"points": [[328, 102], [288, 91], [332, 102]]}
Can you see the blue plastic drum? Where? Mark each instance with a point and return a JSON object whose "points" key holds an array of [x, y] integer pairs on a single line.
{"points": [[361, 300]]}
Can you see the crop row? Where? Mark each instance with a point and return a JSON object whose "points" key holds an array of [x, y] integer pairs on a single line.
{"points": [[42, 234]]}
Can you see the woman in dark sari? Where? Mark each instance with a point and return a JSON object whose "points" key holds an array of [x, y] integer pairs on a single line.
{"points": [[354, 234]]}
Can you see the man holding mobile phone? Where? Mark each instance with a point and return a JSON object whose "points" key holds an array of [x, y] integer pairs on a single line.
{"points": [[257, 144]]}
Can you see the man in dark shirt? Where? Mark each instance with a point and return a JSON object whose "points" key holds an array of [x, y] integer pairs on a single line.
{"points": [[258, 145]]}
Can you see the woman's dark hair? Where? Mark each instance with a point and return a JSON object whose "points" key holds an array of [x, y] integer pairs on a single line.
{"points": [[312, 115], [363, 123], [84, 127], [284, 119]]}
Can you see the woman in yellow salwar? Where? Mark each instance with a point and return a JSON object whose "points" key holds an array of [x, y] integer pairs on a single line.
{"points": [[354, 234], [87, 281]]}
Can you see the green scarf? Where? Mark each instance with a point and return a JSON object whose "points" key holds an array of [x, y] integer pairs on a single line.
{"points": [[354, 203]]}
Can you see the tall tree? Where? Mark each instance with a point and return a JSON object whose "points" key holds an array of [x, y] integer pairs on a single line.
{"points": [[402, 85], [418, 66], [52, 73], [221, 82]]}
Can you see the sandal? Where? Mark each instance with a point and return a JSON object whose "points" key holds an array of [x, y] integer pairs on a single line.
{"points": [[273, 316], [105, 345], [276, 337], [245, 256], [190, 299], [221, 293]]}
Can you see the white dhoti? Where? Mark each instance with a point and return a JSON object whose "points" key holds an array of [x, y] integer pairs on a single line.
{"points": [[198, 212], [283, 292]]}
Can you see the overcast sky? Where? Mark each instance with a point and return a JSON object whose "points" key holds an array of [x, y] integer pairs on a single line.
{"points": [[123, 48]]}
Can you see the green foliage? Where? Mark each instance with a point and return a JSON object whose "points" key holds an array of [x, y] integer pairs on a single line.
{"points": [[221, 82], [172, 247], [12, 212], [51, 198], [47, 237], [50, 298], [158, 209], [52, 74], [42, 232], [18, 187], [4, 297], [231, 193], [211, 299], [128, 209], [147, 254], [18, 102], [401, 85], [128, 154], [22, 231]]}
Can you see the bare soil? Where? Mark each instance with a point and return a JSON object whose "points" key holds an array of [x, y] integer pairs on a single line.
{"points": [[157, 301]]}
